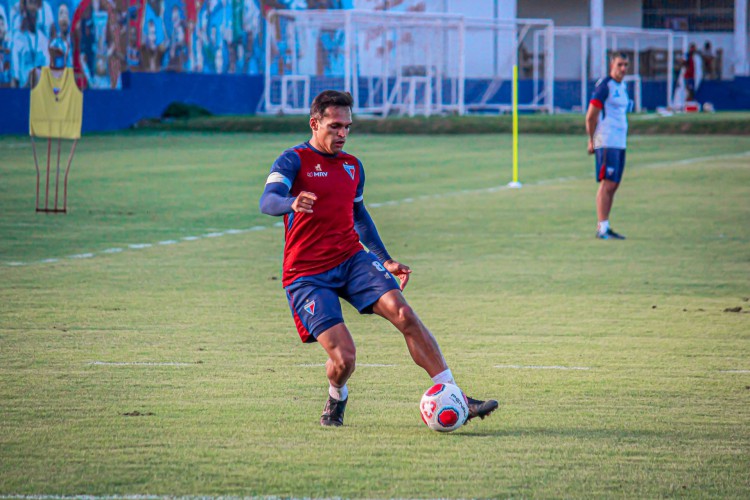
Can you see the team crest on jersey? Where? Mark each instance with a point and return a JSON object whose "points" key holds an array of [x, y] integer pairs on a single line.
{"points": [[349, 170], [310, 308]]}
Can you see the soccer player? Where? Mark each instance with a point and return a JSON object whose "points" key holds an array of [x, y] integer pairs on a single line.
{"points": [[607, 127], [318, 188]]}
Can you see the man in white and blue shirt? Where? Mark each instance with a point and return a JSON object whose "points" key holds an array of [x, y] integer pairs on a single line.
{"points": [[607, 127]]}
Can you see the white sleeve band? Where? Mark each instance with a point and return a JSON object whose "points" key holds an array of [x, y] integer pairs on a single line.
{"points": [[277, 177], [358, 199]]}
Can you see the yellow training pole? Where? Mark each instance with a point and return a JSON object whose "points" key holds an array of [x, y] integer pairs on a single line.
{"points": [[515, 183]]}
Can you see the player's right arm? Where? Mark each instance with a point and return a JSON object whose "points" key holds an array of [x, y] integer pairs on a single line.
{"points": [[592, 118], [596, 104], [275, 199]]}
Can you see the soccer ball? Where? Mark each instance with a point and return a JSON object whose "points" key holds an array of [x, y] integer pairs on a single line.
{"points": [[444, 407]]}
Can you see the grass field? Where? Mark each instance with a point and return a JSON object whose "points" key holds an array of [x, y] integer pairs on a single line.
{"points": [[146, 347]]}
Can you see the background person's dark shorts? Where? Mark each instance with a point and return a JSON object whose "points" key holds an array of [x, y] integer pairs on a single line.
{"points": [[610, 164]]}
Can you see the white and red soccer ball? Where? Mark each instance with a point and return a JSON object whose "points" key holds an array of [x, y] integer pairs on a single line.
{"points": [[444, 407]]}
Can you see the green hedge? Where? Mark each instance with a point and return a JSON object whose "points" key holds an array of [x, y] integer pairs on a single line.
{"points": [[734, 123]]}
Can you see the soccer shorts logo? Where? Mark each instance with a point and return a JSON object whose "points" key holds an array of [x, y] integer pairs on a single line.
{"points": [[310, 308]]}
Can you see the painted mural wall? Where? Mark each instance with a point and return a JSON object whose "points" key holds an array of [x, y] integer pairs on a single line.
{"points": [[104, 38]]}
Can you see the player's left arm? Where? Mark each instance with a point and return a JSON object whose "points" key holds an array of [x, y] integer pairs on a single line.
{"points": [[399, 270], [363, 223], [368, 234]]}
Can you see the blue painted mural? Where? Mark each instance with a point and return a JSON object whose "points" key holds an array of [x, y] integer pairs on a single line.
{"points": [[105, 38]]}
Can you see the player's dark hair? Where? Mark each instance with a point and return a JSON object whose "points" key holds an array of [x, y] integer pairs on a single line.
{"points": [[329, 98], [619, 55]]}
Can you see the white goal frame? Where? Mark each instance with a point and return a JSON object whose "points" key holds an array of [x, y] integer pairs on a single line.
{"points": [[511, 41], [637, 91], [403, 63], [597, 43]]}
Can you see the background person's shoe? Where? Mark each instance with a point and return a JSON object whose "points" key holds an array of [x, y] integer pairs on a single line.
{"points": [[609, 235]]}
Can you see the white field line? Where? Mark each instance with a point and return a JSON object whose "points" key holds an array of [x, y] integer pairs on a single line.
{"points": [[516, 367], [140, 497], [140, 246], [359, 365], [494, 189], [690, 161], [80, 256], [83, 497], [734, 371], [124, 363], [539, 367]]}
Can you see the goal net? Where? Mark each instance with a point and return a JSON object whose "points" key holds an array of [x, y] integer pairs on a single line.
{"points": [[653, 54], [496, 46], [404, 63]]}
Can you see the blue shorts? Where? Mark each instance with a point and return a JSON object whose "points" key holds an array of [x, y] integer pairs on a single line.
{"points": [[690, 85], [610, 164], [314, 300]]}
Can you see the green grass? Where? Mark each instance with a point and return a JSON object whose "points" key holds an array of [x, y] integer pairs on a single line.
{"points": [[505, 279]]}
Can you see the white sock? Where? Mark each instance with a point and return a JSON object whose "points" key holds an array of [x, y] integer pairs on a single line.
{"points": [[444, 377], [339, 393], [603, 226]]}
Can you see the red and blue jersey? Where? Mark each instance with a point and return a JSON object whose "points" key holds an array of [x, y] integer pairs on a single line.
{"points": [[611, 97], [319, 241]]}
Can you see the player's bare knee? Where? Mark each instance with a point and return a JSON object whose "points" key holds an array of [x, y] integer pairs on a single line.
{"points": [[610, 187], [404, 318], [345, 362]]}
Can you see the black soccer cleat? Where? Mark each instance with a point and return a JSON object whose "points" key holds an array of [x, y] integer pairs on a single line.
{"points": [[479, 408], [610, 235], [333, 414]]}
